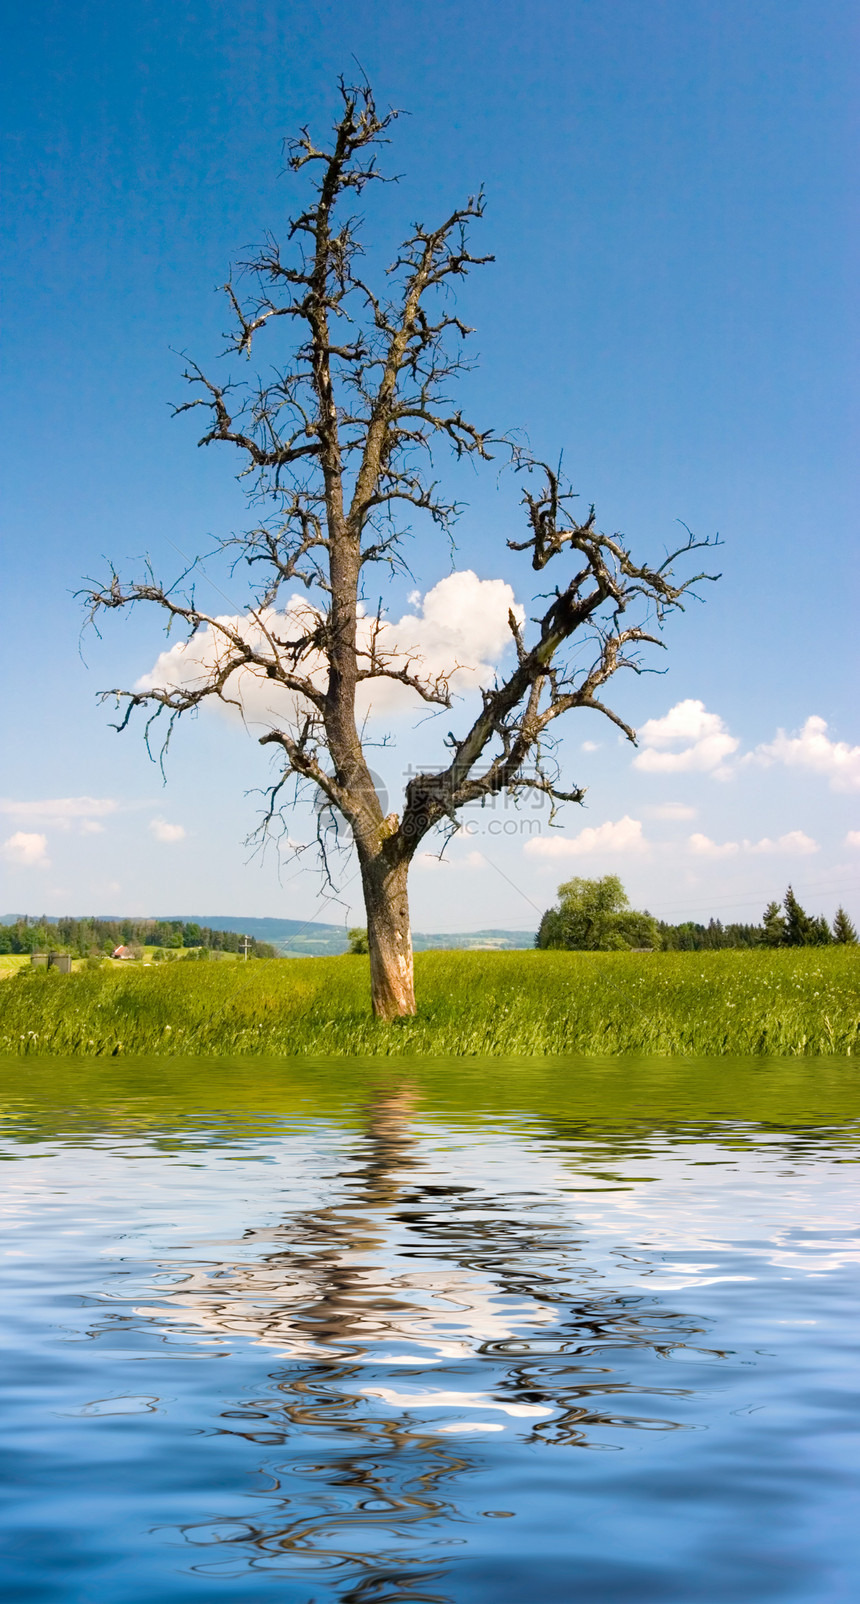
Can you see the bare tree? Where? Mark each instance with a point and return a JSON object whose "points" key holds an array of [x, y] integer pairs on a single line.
{"points": [[333, 443]]}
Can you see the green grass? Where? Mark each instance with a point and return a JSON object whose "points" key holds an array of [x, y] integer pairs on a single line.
{"points": [[800, 1002], [11, 963]]}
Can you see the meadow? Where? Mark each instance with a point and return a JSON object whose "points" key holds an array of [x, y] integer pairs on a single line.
{"points": [[788, 1003]]}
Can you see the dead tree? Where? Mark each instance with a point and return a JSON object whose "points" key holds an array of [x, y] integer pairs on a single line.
{"points": [[333, 444]]}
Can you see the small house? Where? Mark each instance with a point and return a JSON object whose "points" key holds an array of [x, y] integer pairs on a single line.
{"points": [[122, 952]]}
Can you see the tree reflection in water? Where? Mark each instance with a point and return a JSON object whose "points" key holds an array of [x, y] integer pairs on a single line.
{"points": [[364, 1298]]}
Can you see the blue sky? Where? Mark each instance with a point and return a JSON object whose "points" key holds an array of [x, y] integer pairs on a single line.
{"points": [[668, 204]]}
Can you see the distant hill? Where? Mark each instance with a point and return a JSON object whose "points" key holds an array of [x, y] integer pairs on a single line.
{"points": [[297, 938], [302, 938], [293, 937], [487, 940]]}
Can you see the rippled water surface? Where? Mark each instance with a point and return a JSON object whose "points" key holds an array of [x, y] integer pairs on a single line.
{"points": [[444, 1332]]}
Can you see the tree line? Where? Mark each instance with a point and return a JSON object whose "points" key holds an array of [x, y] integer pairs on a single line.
{"points": [[89, 938], [596, 916]]}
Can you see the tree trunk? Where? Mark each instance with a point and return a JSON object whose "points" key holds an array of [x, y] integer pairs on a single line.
{"points": [[389, 937]]}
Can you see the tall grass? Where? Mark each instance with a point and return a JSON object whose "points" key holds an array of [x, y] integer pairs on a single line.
{"points": [[797, 1002]]}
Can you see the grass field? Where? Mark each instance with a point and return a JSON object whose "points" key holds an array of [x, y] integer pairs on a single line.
{"points": [[11, 963], [794, 1002]]}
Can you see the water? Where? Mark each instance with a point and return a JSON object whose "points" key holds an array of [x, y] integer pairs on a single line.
{"points": [[467, 1333]]}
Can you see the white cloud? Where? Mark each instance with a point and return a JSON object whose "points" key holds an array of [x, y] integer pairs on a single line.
{"points": [[686, 721], [460, 630], [625, 835], [794, 844], [706, 848], [469, 860], [812, 749], [702, 736], [590, 746], [167, 832], [62, 811], [852, 839], [28, 851], [671, 810], [690, 739]]}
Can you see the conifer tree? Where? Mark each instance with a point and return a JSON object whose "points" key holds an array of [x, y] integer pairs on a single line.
{"points": [[843, 930], [773, 925], [798, 930]]}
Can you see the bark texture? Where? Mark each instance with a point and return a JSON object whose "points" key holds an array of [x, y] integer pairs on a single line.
{"points": [[389, 936]]}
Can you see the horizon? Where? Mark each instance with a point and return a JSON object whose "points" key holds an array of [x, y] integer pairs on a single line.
{"points": [[234, 923]]}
